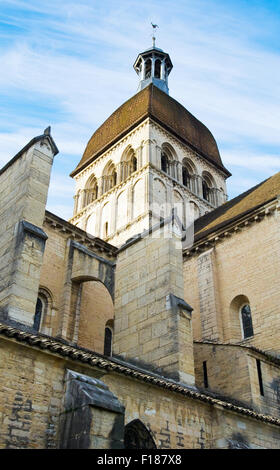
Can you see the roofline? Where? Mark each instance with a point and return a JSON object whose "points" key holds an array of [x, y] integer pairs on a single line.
{"points": [[230, 226], [27, 147], [145, 116], [101, 244], [268, 356], [56, 346]]}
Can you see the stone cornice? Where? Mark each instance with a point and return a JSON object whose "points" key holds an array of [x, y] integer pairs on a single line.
{"points": [[107, 153], [184, 146], [79, 235], [57, 347], [242, 222]]}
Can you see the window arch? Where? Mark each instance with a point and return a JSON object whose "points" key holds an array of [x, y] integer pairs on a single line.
{"points": [[157, 68], [109, 177], [240, 319], [108, 338], [208, 184], [188, 172], [43, 307], [168, 160], [91, 190], [128, 163], [38, 314], [246, 321], [148, 68], [137, 436], [164, 162]]}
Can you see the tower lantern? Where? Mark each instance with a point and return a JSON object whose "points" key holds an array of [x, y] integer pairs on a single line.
{"points": [[153, 66]]}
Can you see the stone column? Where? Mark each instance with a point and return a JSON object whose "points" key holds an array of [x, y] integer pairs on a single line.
{"points": [[199, 185]]}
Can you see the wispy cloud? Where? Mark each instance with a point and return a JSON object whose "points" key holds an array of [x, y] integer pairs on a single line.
{"points": [[69, 64]]}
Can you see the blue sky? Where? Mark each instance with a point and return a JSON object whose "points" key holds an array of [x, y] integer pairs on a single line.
{"points": [[69, 65]]}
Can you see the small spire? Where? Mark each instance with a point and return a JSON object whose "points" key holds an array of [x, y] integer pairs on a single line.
{"points": [[154, 26], [47, 131]]}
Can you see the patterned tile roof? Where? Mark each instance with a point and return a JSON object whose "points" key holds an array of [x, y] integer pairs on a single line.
{"points": [[154, 103]]}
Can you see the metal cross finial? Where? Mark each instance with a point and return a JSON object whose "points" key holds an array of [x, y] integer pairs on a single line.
{"points": [[154, 26]]}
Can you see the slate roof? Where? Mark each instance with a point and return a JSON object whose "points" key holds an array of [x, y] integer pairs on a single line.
{"points": [[154, 103]]}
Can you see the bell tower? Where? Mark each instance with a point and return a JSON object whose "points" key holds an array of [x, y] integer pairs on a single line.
{"points": [[150, 156], [153, 66]]}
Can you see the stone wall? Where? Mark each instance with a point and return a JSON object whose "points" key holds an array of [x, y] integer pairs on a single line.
{"points": [[152, 321], [24, 183], [32, 404], [246, 265]]}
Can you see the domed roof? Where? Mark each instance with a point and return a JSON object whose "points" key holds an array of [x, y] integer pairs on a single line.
{"points": [[154, 103]]}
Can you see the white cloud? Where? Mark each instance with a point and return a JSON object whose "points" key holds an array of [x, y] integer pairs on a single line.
{"points": [[77, 59]]}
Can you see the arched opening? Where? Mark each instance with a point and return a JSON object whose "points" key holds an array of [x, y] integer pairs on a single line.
{"points": [[91, 190], [108, 341], [157, 68], [148, 68], [194, 210], [43, 308], [137, 436], [164, 162], [186, 177], [109, 177], [108, 338], [92, 310], [208, 188], [169, 160], [205, 190], [128, 163], [240, 319], [246, 321], [134, 163], [38, 314]]}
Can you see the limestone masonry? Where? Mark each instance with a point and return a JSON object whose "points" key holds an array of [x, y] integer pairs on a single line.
{"points": [[150, 319]]}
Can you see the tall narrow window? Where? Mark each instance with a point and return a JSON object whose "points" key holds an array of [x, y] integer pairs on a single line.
{"points": [[164, 162], [205, 191], [157, 68], [246, 321], [108, 342], [106, 230], [134, 164], [260, 376], [185, 176], [38, 314], [205, 375]]}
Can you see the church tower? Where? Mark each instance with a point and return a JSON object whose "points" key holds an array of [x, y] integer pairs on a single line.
{"points": [[150, 156]]}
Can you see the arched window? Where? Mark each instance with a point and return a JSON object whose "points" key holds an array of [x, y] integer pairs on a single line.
{"points": [[246, 321], [38, 314], [134, 164], [91, 190], [137, 436], [164, 162], [205, 191], [157, 68], [108, 341], [186, 177], [109, 177], [148, 68]]}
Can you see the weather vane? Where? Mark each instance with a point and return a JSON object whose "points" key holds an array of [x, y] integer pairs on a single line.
{"points": [[154, 26]]}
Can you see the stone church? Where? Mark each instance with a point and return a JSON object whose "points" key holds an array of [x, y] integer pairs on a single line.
{"points": [[151, 318]]}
